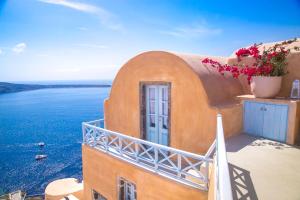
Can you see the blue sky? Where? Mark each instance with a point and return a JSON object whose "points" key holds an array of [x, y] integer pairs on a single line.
{"points": [[92, 39]]}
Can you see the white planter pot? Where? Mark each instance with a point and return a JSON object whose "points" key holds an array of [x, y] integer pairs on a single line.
{"points": [[265, 86]]}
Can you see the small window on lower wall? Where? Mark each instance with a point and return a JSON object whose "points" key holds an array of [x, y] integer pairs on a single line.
{"points": [[98, 196], [127, 190]]}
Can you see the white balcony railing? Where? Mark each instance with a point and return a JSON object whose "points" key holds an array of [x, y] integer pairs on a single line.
{"points": [[222, 178], [184, 167]]}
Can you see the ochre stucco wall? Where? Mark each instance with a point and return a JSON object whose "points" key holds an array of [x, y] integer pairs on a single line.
{"points": [[232, 118], [293, 122], [297, 125], [101, 173], [219, 89], [192, 118], [293, 68]]}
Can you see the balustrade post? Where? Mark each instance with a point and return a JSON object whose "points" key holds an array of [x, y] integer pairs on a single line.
{"points": [[120, 145], [83, 133], [106, 141], [155, 158], [206, 173], [179, 165], [94, 137], [136, 146]]}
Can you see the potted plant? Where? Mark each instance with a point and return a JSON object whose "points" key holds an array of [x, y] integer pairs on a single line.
{"points": [[265, 74]]}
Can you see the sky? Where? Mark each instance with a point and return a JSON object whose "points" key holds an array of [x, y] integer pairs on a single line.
{"points": [[92, 39]]}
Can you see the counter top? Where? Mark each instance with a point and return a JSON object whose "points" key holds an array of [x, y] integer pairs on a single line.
{"points": [[271, 100]]}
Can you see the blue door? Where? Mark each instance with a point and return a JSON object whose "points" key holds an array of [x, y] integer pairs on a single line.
{"points": [[157, 114], [266, 120], [275, 122], [253, 118]]}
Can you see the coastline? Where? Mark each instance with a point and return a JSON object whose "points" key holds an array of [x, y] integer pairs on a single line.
{"points": [[6, 88]]}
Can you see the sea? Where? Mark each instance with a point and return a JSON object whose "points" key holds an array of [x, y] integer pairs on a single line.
{"points": [[52, 116]]}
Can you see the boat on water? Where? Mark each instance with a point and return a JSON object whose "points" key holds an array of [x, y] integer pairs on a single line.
{"points": [[40, 157], [41, 144]]}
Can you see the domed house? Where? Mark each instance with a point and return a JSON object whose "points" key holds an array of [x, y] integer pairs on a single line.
{"points": [[173, 99], [157, 138]]}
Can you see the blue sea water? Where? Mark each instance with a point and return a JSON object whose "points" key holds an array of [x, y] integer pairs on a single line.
{"points": [[53, 116]]}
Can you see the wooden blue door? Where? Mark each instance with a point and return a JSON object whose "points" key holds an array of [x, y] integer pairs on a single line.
{"points": [[266, 120], [253, 118], [157, 114], [275, 122]]}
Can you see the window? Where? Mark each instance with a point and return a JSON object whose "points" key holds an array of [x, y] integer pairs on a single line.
{"points": [[97, 196], [127, 190]]}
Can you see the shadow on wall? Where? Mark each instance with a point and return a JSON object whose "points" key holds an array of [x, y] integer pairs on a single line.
{"points": [[241, 183]]}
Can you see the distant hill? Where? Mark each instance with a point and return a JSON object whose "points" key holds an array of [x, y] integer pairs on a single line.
{"points": [[13, 87]]}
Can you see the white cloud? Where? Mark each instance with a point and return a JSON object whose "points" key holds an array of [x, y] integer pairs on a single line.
{"points": [[106, 18], [1, 51], [19, 48], [193, 31], [75, 5], [98, 46]]}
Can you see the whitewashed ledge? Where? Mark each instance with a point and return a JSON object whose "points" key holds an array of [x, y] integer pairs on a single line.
{"points": [[68, 187]]}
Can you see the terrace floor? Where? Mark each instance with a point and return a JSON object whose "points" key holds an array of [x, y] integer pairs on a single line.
{"points": [[263, 169]]}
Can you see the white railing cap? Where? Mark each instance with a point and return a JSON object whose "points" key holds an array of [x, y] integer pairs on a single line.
{"points": [[222, 178]]}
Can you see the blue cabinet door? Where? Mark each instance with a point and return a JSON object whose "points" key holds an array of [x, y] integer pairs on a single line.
{"points": [[253, 118], [275, 122], [266, 120]]}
